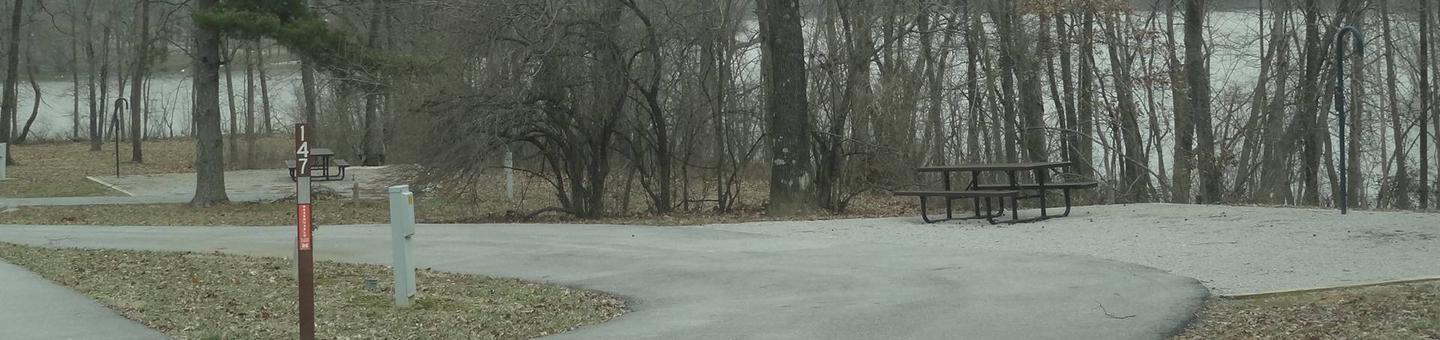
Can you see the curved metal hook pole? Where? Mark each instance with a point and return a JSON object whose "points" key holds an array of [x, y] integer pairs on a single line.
{"points": [[120, 104], [1358, 44]]}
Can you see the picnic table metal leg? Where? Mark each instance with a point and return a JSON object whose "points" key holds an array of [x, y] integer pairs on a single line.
{"points": [[949, 213], [1014, 200], [1040, 182], [1067, 203], [924, 211], [975, 180]]}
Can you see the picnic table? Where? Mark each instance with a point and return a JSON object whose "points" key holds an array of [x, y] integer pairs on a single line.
{"points": [[321, 159], [1012, 188]]}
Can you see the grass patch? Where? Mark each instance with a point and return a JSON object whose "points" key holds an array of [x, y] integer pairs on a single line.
{"points": [[213, 296], [1397, 311], [59, 169]]}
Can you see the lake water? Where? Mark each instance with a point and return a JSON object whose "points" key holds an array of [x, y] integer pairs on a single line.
{"points": [[169, 103]]}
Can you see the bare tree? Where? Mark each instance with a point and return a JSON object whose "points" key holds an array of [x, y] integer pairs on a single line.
{"points": [[784, 47], [210, 147]]}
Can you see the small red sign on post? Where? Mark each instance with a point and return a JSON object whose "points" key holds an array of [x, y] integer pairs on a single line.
{"points": [[303, 233]]}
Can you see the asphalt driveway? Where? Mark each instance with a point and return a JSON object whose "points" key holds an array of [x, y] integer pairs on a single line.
{"points": [[702, 283]]}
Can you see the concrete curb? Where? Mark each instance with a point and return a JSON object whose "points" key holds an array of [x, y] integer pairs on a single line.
{"points": [[111, 186], [1327, 288]]}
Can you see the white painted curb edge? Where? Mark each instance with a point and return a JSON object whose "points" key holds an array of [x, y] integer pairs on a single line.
{"points": [[1318, 289], [111, 186]]}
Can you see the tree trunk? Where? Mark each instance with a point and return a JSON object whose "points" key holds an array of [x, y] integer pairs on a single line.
{"points": [[234, 132], [936, 67], [1134, 160], [790, 173], [137, 99], [75, 74], [10, 103], [1184, 158], [1067, 74], [373, 142], [264, 92], [1424, 104], [249, 105], [1198, 76], [30, 67], [104, 83], [92, 62], [1085, 114], [1401, 186], [975, 100], [210, 147]]}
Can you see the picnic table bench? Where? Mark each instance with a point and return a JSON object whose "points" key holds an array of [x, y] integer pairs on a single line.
{"points": [[321, 159], [1012, 189]]}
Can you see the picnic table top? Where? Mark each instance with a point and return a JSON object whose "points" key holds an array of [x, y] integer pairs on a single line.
{"points": [[993, 166], [322, 152]]}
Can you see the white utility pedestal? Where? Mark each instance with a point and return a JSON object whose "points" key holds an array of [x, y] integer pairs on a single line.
{"points": [[402, 230], [2, 161], [509, 175]]}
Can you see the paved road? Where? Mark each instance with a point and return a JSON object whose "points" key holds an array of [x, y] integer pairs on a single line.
{"points": [[699, 283], [34, 308]]}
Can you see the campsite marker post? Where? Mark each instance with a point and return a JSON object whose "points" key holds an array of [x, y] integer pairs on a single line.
{"points": [[303, 233]]}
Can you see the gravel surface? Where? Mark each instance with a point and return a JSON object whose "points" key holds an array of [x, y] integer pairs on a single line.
{"points": [[1232, 250]]}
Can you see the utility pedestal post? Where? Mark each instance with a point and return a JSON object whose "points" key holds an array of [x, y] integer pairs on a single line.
{"points": [[402, 230], [303, 234], [509, 174], [2, 161]]}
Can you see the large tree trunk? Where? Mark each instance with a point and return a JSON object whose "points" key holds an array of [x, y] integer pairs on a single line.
{"points": [[209, 147], [1085, 143], [1184, 158], [11, 103], [137, 98], [1198, 76], [1301, 129], [784, 44]]}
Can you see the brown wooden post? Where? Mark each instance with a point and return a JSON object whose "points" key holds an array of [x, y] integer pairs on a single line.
{"points": [[303, 237]]}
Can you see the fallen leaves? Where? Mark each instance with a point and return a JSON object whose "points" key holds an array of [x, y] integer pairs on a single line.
{"points": [[201, 296], [1398, 311]]}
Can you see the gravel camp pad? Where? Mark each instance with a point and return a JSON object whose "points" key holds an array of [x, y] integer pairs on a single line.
{"points": [[1232, 250]]}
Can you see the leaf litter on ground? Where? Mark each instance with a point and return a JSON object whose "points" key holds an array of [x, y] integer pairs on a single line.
{"points": [[216, 296]]}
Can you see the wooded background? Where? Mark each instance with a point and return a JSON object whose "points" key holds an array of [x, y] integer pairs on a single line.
{"points": [[819, 100]]}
